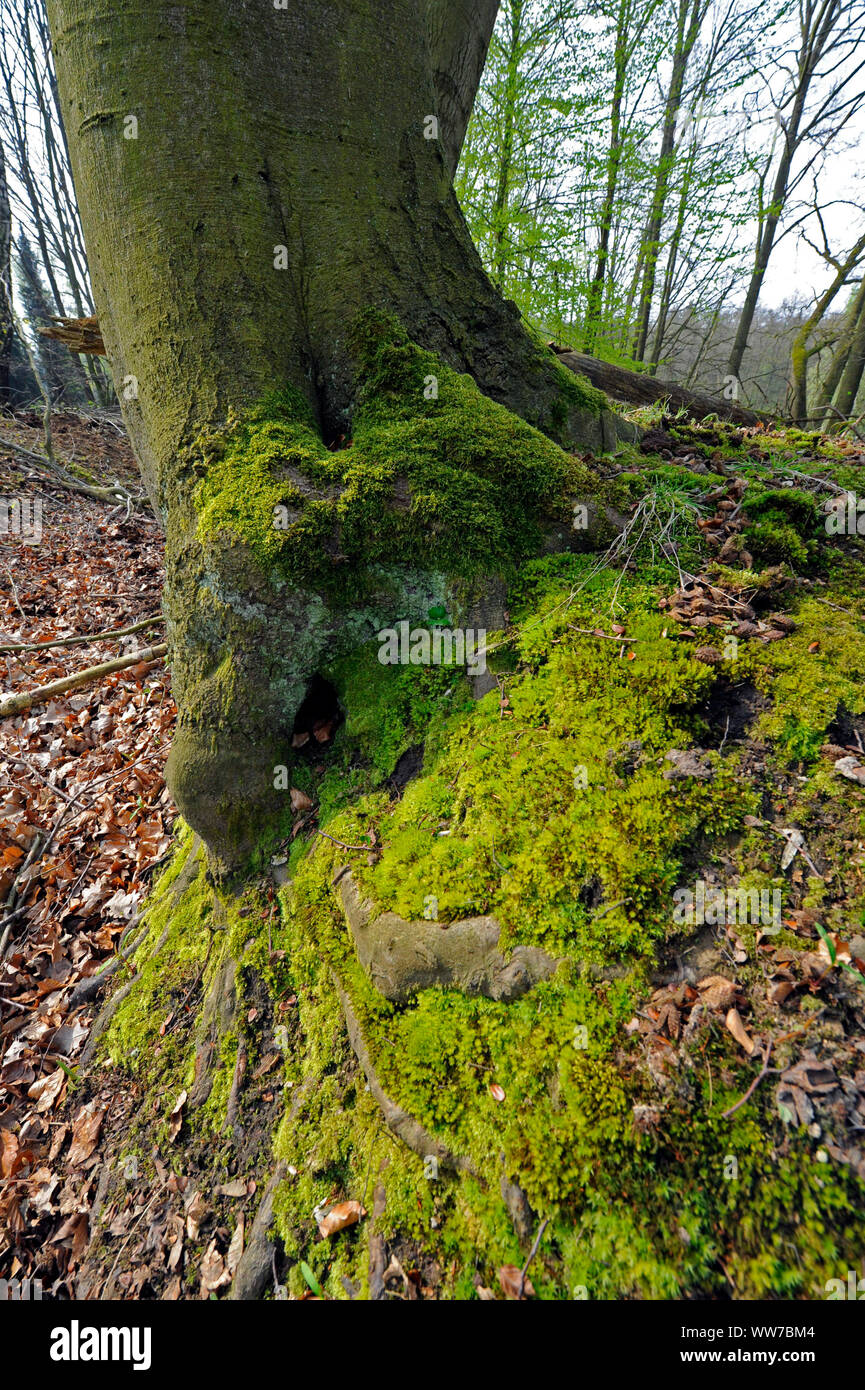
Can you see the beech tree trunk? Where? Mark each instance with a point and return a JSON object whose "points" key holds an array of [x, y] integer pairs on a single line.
{"points": [[251, 176]]}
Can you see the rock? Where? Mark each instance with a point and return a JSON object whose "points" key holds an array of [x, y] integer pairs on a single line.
{"points": [[686, 764], [852, 769]]}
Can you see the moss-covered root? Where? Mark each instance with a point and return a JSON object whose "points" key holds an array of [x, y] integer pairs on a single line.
{"points": [[302, 554]]}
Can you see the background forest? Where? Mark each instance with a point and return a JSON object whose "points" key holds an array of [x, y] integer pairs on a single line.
{"points": [[670, 185]]}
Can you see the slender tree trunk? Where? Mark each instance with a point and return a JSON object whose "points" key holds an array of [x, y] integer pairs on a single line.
{"points": [[235, 233], [765, 245], [688, 28], [670, 268], [817, 25], [7, 320], [855, 314], [614, 159], [851, 377], [799, 353], [506, 156]]}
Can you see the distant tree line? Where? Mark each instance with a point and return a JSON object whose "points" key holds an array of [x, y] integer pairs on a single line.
{"points": [[43, 265], [632, 166]]}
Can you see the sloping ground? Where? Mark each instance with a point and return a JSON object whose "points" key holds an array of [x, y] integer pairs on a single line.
{"points": [[84, 814], [677, 1110]]}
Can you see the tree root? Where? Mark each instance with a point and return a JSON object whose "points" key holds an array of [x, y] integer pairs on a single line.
{"points": [[255, 1268], [402, 957], [403, 1125]]}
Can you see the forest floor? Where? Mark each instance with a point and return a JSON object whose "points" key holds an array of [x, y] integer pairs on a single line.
{"points": [[86, 818]]}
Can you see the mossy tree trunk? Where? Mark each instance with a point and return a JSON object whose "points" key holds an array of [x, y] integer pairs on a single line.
{"points": [[251, 177]]}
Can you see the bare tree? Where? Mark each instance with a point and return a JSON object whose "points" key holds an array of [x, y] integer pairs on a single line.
{"points": [[803, 349], [40, 186], [7, 326], [820, 97]]}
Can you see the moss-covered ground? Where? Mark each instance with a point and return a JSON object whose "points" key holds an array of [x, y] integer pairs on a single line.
{"points": [[608, 1096]]}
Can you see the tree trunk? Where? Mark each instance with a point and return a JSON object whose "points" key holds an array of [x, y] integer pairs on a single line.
{"points": [[235, 234], [851, 377], [855, 314], [595, 295], [689, 18], [506, 154], [799, 352], [7, 321], [459, 38]]}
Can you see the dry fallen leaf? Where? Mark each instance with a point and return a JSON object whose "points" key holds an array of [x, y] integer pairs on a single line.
{"points": [[214, 1275], [716, 992], [196, 1210], [8, 1152], [46, 1090], [175, 1119], [737, 1028], [843, 954], [299, 800], [777, 993], [497, 1092], [235, 1249], [339, 1217], [509, 1278], [85, 1132], [852, 769], [234, 1189]]}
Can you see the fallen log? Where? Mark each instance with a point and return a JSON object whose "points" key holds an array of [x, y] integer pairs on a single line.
{"points": [[16, 704], [638, 388]]}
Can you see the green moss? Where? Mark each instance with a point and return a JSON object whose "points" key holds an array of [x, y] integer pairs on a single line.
{"points": [[784, 527], [807, 688], [436, 474], [546, 804]]}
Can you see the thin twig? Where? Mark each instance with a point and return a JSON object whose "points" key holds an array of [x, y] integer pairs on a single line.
{"points": [[531, 1256], [753, 1086], [358, 849], [83, 640]]}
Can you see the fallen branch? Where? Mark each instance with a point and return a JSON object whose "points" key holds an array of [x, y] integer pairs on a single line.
{"points": [[356, 849], [63, 479], [15, 704], [534, 1250], [80, 641]]}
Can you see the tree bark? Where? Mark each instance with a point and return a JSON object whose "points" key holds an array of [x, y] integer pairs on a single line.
{"points": [[855, 314], [7, 320], [851, 377], [690, 16], [459, 39], [251, 179], [799, 352], [641, 389]]}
